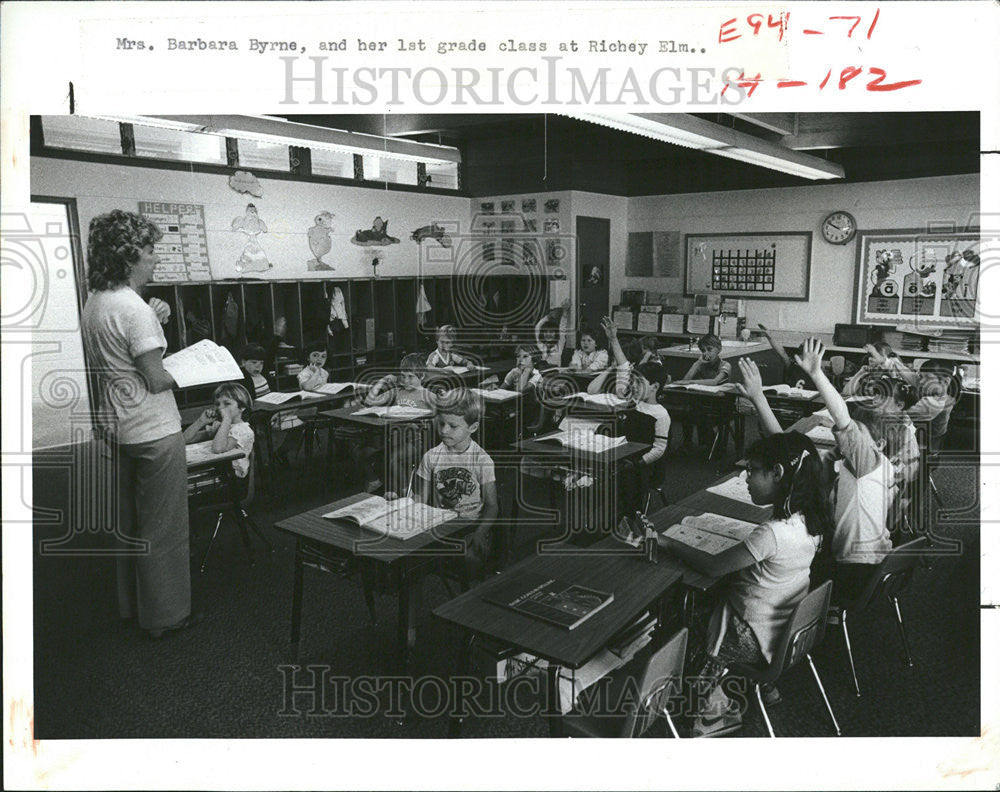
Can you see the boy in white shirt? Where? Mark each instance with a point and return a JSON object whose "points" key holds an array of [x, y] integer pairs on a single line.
{"points": [[458, 474], [443, 356], [524, 375], [550, 334]]}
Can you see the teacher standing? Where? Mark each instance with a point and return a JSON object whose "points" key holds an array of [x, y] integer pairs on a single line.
{"points": [[140, 423]]}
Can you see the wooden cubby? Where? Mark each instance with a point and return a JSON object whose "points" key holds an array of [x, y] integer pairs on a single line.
{"points": [[199, 310]]}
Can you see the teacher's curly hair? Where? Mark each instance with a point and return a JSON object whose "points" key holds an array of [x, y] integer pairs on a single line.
{"points": [[113, 247]]}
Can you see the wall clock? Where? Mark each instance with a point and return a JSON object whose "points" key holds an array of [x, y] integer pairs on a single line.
{"points": [[839, 228]]}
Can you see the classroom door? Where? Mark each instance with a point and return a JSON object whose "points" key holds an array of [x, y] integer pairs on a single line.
{"points": [[593, 254]]}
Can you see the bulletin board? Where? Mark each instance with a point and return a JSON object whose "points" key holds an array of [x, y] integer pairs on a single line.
{"points": [[912, 277], [765, 266]]}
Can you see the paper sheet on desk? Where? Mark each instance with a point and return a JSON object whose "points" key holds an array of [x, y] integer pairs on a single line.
{"points": [[396, 411], [710, 533], [821, 434], [333, 388], [497, 394], [734, 488], [824, 415]]}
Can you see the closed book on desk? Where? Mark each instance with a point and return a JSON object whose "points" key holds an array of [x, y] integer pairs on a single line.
{"points": [[555, 601], [400, 519]]}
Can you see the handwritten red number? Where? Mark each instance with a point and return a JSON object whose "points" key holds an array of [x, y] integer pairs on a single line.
{"points": [[856, 19], [873, 24], [846, 75], [781, 23], [877, 83]]}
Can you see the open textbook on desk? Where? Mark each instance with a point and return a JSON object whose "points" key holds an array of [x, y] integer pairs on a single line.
{"points": [[277, 397], [395, 411], [710, 533], [402, 519]]}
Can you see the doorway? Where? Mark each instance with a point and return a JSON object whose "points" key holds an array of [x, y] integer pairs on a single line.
{"points": [[593, 254]]}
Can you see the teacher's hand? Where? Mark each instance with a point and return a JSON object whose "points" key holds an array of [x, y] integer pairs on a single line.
{"points": [[160, 308]]}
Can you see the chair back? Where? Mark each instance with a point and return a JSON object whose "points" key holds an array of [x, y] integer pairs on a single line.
{"points": [[894, 573], [248, 498], [805, 629], [663, 670]]}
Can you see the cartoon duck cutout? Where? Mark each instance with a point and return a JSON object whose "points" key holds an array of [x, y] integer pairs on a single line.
{"points": [[376, 235], [320, 241], [917, 283], [253, 258], [432, 231]]}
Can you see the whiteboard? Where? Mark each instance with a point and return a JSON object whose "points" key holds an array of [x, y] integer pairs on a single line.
{"points": [[765, 266]]}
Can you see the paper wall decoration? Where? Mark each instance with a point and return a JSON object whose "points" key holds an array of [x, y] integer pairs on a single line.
{"points": [[320, 241], [253, 258], [432, 231], [245, 182], [377, 235], [183, 248]]}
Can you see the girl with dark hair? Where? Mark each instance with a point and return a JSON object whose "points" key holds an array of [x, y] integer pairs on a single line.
{"points": [[138, 422], [770, 567]]}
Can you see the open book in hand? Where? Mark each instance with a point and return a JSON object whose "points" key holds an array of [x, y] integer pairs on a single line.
{"points": [[202, 364], [401, 519], [710, 533]]}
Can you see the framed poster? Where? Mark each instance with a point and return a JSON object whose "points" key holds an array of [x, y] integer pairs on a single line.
{"points": [[912, 277], [760, 266]]}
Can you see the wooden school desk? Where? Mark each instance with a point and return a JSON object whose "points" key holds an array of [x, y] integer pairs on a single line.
{"points": [[264, 412], [610, 565], [545, 454], [686, 404], [504, 419], [404, 563]]}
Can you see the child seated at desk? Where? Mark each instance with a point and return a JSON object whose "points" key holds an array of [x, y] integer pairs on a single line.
{"points": [[550, 334], [589, 357], [252, 366], [299, 421], [524, 376], [709, 369], [226, 425], [640, 384], [314, 372], [458, 474], [792, 373], [938, 388], [649, 350], [864, 487], [770, 567], [443, 356], [405, 388]]}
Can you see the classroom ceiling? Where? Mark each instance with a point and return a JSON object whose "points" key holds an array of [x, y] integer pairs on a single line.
{"points": [[507, 153]]}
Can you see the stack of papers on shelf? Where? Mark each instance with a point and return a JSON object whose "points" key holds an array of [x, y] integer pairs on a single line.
{"points": [[201, 364], [710, 533], [396, 411], [788, 390], [734, 488]]}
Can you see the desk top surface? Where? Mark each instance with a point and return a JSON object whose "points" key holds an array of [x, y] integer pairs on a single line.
{"points": [[609, 565], [345, 535], [314, 400], [545, 445], [200, 455]]}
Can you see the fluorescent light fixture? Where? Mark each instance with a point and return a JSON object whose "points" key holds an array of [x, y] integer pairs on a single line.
{"points": [[266, 129], [150, 121], [689, 131]]}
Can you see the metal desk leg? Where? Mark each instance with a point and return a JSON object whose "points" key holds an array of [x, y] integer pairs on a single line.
{"points": [[406, 626], [462, 665], [297, 600], [553, 714]]}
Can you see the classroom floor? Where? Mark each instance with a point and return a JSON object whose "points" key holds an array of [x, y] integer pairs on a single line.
{"points": [[96, 678]]}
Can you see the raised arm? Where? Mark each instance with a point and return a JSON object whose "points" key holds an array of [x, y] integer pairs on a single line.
{"points": [[779, 350], [614, 345], [752, 387], [811, 361]]}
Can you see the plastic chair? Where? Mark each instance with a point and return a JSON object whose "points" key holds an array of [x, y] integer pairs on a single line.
{"points": [[238, 511], [805, 630], [889, 578], [662, 673]]}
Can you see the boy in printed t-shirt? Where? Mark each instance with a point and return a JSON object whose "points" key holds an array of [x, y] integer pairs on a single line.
{"points": [[458, 474]]}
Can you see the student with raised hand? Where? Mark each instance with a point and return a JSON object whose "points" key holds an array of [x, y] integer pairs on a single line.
{"points": [[792, 373], [770, 568], [753, 388], [881, 360], [865, 484], [550, 334], [589, 357]]}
